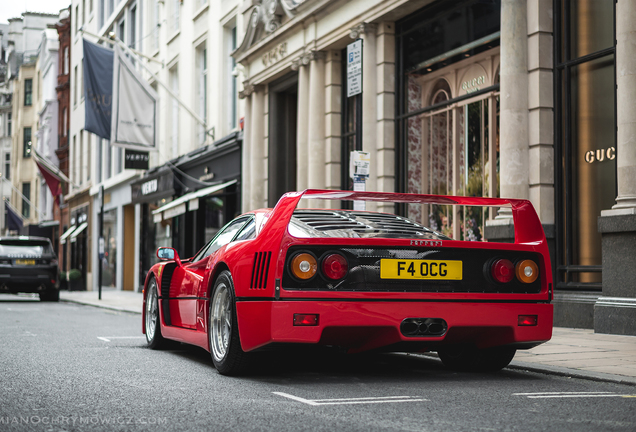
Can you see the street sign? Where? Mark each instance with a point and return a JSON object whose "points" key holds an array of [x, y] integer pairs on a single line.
{"points": [[100, 248], [359, 162], [354, 68]]}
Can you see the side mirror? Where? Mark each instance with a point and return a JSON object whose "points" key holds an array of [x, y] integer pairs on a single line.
{"points": [[168, 253]]}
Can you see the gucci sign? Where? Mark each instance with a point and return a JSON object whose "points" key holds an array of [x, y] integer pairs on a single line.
{"points": [[600, 155], [274, 55]]}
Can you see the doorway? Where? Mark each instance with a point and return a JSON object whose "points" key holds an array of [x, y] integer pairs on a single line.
{"points": [[283, 117]]}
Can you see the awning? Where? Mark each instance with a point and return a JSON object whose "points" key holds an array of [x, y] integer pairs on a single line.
{"points": [[66, 234], [78, 231], [178, 206]]}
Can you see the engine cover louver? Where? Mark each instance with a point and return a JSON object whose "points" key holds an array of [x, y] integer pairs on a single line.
{"points": [[260, 270]]}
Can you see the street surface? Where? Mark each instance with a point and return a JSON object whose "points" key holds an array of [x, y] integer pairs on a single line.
{"points": [[73, 368]]}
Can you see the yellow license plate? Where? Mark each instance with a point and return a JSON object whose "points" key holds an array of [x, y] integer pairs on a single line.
{"points": [[420, 269], [25, 262]]}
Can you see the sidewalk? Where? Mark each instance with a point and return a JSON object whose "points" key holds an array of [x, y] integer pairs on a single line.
{"points": [[571, 352]]}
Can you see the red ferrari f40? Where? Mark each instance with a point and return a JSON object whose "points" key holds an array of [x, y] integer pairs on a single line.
{"points": [[358, 280]]}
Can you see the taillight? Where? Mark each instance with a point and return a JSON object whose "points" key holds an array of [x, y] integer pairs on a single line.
{"points": [[527, 271], [502, 270], [335, 266], [304, 266]]}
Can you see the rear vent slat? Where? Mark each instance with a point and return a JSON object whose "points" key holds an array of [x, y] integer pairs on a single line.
{"points": [[260, 270], [361, 224]]}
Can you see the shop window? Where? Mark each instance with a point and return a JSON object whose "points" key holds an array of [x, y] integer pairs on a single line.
{"points": [[448, 113], [585, 138]]}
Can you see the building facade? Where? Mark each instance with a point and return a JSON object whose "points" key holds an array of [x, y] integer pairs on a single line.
{"points": [[504, 98]]}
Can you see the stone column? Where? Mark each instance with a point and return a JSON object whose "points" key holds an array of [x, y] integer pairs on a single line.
{"points": [[615, 310], [367, 31], [333, 121], [385, 127], [257, 161], [513, 131], [246, 153], [316, 150], [302, 125]]}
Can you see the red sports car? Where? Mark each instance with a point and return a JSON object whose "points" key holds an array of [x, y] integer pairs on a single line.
{"points": [[357, 280]]}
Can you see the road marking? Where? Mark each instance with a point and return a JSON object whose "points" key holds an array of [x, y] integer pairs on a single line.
{"points": [[351, 401], [557, 395], [108, 338]]}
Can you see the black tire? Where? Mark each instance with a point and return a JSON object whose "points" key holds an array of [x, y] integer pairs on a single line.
{"points": [[51, 295], [468, 359], [223, 335], [152, 318]]}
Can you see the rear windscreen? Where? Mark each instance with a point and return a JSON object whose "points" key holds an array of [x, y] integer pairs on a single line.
{"points": [[23, 248]]}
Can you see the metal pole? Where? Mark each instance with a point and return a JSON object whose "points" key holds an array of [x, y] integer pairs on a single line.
{"points": [[101, 242]]}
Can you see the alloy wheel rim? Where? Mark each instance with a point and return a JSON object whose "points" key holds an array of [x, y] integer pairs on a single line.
{"points": [[221, 322], [151, 312]]}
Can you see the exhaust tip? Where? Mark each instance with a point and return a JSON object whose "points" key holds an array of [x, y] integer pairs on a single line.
{"points": [[423, 327]]}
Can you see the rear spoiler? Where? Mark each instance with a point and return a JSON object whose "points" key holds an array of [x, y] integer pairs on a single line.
{"points": [[527, 226]]}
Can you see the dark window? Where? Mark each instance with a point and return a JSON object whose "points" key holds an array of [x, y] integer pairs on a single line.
{"points": [[351, 132], [26, 198], [7, 166], [585, 137], [26, 143], [28, 92], [283, 113], [8, 124]]}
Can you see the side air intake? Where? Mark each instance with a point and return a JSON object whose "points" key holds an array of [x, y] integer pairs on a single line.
{"points": [[260, 270]]}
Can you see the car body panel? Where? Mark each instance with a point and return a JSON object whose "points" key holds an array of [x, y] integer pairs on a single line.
{"points": [[357, 320]]}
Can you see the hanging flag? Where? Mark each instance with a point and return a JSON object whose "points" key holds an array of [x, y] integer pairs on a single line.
{"points": [[135, 106], [14, 221], [52, 180], [98, 89]]}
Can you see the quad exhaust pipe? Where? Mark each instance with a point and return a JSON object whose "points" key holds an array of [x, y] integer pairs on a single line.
{"points": [[423, 327]]}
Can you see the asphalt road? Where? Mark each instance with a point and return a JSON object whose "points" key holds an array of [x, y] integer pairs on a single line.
{"points": [[74, 368]]}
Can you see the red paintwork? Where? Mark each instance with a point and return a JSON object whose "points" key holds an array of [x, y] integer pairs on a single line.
{"points": [[366, 320]]}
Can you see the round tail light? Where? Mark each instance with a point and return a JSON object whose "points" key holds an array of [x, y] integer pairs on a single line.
{"points": [[304, 266], [527, 271], [502, 270], [335, 266]]}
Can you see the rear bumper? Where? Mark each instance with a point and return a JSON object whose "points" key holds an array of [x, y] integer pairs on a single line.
{"points": [[360, 325], [28, 280]]}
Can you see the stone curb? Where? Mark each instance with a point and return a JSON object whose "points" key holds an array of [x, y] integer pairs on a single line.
{"points": [[572, 373], [101, 306]]}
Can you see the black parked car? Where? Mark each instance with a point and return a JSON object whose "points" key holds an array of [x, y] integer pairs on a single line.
{"points": [[29, 265]]}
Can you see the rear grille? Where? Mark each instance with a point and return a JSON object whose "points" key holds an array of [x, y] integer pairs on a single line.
{"points": [[260, 270]]}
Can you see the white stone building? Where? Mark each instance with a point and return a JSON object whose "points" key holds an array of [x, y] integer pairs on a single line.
{"points": [[505, 98]]}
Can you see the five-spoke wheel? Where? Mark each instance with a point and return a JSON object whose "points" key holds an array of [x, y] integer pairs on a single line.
{"points": [[223, 335], [153, 331]]}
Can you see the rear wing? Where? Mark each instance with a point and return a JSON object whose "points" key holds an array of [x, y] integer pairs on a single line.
{"points": [[527, 226]]}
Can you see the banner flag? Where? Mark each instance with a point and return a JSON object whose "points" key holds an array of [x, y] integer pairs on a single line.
{"points": [[14, 221], [52, 180], [98, 89], [135, 107]]}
